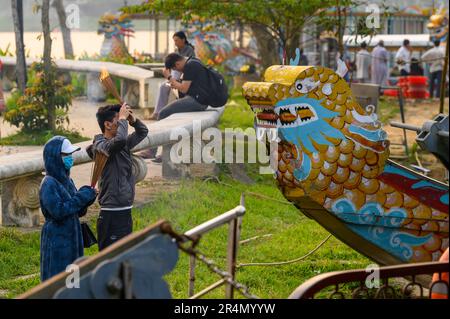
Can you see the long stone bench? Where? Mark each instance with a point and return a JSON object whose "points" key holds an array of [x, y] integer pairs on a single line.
{"points": [[21, 173], [138, 85]]}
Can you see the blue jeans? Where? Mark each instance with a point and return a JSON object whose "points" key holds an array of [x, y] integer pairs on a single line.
{"points": [[435, 78], [185, 104]]}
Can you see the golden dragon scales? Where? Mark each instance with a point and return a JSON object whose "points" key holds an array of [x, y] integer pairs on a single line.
{"points": [[333, 165], [438, 26]]}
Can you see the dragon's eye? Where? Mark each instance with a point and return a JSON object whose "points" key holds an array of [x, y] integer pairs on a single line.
{"points": [[298, 85]]}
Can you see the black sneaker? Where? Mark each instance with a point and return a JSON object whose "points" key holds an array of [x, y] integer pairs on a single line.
{"points": [[157, 159], [147, 154]]}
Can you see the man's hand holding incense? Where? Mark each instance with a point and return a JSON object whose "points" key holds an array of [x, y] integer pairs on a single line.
{"points": [[131, 118], [124, 112]]}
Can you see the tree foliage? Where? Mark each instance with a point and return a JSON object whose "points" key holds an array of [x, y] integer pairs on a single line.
{"points": [[29, 111], [335, 19], [279, 21], [274, 23]]}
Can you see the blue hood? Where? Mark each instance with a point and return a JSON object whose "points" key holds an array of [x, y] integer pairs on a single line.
{"points": [[53, 162]]}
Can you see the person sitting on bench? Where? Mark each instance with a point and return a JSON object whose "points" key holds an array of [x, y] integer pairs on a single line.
{"points": [[184, 48], [194, 83]]}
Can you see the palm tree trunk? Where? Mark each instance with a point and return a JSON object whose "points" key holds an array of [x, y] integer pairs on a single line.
{"points": [[51, 114], [267, 46], [292, 43], [21, 67], [68, 48]]}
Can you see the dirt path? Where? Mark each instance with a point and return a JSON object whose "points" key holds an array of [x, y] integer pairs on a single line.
{"points": [[416, 113]]}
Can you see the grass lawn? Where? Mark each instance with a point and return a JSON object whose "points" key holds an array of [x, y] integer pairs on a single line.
{"points": [[40, 138], [388, 108], [292, 234]]}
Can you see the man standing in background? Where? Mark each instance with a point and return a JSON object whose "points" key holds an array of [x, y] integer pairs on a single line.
{"points": [[435, 57], [303, 58], [380, 58], [363, 59], [403, 58]]}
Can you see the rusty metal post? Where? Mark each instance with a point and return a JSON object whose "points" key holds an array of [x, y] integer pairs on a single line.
{"points": [[238, 234], [232, 250], [191, 275], [231, 256], [444, 80], [402, 115]]}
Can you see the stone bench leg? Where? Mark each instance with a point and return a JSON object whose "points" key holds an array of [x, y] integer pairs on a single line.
{"points": [[171, 170], [95, 91], [20, 202], [130, 92]]}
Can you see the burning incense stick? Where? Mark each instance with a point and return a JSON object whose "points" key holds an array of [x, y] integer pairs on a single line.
{"points": [[109, 86], [99, 164]]}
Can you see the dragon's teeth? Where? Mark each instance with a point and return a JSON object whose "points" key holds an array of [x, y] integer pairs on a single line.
{"points": [[272, 134], [259, 133], [292, 110]]}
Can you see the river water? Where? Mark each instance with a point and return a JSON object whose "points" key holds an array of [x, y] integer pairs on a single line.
{"points": [[88, 42]]}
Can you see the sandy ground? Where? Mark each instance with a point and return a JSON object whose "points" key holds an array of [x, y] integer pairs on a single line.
{"points": [[416, 113]]}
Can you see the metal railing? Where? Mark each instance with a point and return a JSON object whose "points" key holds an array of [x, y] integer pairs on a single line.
{"points": [[234, 220], [414, 288]]}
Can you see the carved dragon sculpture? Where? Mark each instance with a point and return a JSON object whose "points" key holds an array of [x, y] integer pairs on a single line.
{"points": [[115, 28], [333, 165]]}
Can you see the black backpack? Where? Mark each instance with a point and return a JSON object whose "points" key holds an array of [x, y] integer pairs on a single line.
{"points": [[217, 95]]}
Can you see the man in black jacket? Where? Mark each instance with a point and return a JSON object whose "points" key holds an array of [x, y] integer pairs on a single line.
{"points": [[117, 183], [194, 86]]}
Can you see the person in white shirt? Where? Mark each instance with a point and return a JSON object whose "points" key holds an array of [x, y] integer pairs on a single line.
{"points": [[363, 60], [380, 58], [435, 57], [403, 58]]}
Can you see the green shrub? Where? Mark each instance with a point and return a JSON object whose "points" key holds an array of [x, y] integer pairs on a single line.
{"points": [[79, 84], [7, 51], [29, 111]]}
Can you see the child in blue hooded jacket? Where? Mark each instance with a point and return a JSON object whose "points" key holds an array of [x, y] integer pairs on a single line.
{"points": [[62, 205]]}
